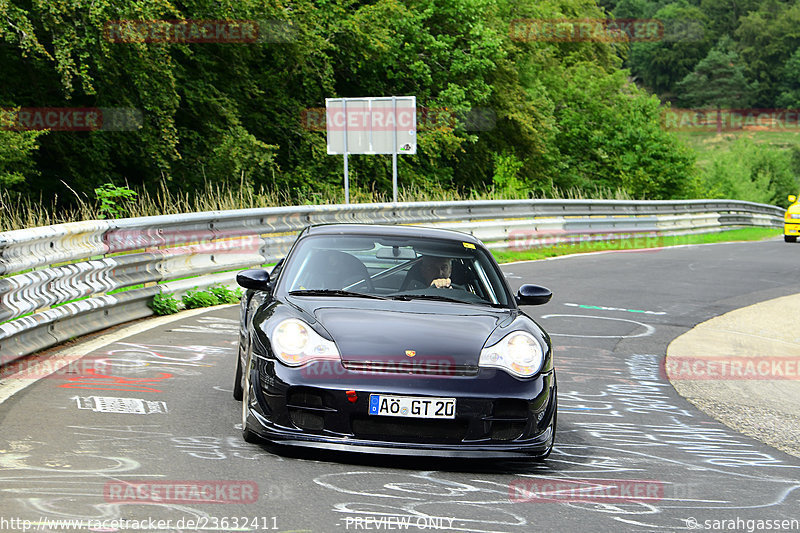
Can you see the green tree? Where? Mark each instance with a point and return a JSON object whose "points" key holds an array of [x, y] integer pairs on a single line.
{"points": [[752, 172], [527, 95], [55, 55], [790, 83], [724, 15], [661, 64], [17, 163], [718, 80], [634, 9], [506, 169], [610, 136], [766, 40], [233, 112]]}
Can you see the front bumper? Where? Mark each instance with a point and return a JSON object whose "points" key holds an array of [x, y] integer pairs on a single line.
{"points": [[497, 415], [791, 228]]}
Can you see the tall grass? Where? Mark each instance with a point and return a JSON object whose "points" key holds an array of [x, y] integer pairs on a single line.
{"points": [[19, 211]]}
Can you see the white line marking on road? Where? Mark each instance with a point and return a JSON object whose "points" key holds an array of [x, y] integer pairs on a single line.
{"points": [[604, 308], [649, 330]]}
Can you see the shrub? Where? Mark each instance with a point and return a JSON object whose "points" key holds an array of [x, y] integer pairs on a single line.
{"points": [[194, 299], [164, 304], [753, 172], [114, 200], [225, 295]]}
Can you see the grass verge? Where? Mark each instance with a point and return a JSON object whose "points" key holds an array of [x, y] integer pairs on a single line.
{"points": [[636, 243]]}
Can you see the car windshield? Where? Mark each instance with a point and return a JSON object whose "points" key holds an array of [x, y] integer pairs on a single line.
{"points": [[399, 268]]}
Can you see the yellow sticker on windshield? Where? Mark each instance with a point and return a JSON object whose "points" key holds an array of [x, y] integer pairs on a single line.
{"points": [[468, 245]]}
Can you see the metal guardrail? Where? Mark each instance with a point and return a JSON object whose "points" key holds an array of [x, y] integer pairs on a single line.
{"points": [[68, 280]]}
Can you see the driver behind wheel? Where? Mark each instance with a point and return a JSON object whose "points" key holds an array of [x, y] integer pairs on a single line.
{"points": [[430, 271]]}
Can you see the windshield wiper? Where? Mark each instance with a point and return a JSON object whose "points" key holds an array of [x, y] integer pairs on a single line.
{"points": [[334, 292], [407, 297], [436, 297]]}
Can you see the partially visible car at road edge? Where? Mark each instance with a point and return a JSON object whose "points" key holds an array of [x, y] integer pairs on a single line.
{"points": [[791, 220]]}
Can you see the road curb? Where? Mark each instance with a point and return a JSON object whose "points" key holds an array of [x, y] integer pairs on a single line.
{"points": [[742, 369]]}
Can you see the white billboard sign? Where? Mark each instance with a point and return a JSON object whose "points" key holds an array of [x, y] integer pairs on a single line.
{"points": [[381, 125]]}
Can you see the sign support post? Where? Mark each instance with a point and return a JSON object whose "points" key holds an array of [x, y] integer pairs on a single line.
{"points": [[346, 176], [394, 151], [372, 125]]}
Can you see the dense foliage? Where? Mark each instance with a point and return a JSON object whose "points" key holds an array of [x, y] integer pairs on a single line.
{"points": [[752, 172], [727, 54], [233, 112], [553, 115], [759, 38]]}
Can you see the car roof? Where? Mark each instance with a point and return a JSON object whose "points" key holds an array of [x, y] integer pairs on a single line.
{"points": [[390, 231]]}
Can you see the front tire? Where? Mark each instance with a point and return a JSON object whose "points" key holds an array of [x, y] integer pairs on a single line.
{"points": [[238, 390], [546, 454], [247, 434], [790, 238]]}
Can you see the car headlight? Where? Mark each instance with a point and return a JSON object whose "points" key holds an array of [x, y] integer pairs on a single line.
{"points": [[518, 353], [794, 215], [294, 343]]}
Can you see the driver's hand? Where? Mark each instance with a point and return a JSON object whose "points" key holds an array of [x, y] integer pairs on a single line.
{"points": [[441, 283]]}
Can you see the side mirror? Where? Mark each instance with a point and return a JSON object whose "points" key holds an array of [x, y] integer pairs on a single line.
{"points": [[792, 198], [533, 295], [255, 278]]}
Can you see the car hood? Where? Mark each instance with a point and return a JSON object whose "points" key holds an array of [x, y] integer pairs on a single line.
{"points": [[444, 337]]}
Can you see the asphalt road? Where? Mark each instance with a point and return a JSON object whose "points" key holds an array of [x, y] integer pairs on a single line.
{"points": [[118, 433]]}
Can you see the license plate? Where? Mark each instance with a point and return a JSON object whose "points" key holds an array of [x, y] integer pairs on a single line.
{"points": [[412, 406]]}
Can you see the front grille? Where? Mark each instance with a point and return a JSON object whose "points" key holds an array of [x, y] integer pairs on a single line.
{"points": [[507, 429], [306, 409], [430, 368], [305, 398], [305, 420], [409, 429], [508, 420], [510, 408]]}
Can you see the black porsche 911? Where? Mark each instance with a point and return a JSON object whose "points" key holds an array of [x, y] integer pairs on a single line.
{"points": [[394, 339]]}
